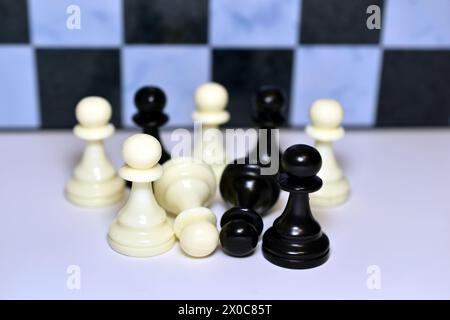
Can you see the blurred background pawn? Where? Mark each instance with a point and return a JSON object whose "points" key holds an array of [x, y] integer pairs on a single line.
{"points": [[94, 181], [150, 103], [211, 100], [325, 128], [269, 113]]}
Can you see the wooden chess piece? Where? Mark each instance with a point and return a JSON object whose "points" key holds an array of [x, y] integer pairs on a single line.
{"points": [[296, 239], [94, 181], [251, 194], [141, 228]]}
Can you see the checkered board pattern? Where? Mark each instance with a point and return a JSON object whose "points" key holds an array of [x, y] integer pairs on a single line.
{"points": [[396, 76]]}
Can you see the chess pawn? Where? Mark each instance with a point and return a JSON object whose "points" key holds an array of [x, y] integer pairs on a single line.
{"points": [[141, 228], [94, 182], [326, 118], [211, 100], [251, 194], [150, 103], [296, 240], [185, 189], [268, 114]]}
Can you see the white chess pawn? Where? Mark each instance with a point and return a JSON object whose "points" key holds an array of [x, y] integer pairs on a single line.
{"points": [[94, 181], [211, 100], [141, 228], [326, 119], [185, 189]]}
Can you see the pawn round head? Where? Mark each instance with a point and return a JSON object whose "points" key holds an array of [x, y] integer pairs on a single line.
{"points": [[141, 151], [148, 99], [301, 161], [269, 99], [199, 239], [211, 97], [326, 113], [238, 238], [93, 112]]}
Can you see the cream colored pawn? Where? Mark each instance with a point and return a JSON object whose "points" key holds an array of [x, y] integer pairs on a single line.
{"points": [[94, 182], [185, 189], [326, 119], [141, 228], [211, 100]]}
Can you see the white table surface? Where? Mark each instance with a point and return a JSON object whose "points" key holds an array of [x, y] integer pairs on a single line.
{"points": [[397, 218]]}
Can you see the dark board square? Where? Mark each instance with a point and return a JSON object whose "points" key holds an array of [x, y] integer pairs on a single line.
{"points": [[414, 88], [243, 72], [13, 21], [68, 75], [337, 22], [166, 21]]}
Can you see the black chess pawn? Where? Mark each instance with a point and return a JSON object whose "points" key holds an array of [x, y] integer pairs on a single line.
{"points": [[269, 113], [296, 239], [251, 194], [150, 103]]}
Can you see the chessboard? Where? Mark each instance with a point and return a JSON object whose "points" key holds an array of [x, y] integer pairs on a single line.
{"points": [[394, 226], [397, 75]]}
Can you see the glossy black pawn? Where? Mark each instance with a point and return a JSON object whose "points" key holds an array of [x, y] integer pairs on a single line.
{"points": [[251, 194], [150, 103], [269, 113], [269, 107], [296, 239]]}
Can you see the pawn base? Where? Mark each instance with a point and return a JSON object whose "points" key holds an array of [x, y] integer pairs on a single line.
{"points": [[140, 242], [331, 194], [95, 194], [295, 263], [140, 252], [295, 252]]}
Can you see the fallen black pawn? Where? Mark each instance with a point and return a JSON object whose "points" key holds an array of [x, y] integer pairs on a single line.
{"points": [[251, 194]]}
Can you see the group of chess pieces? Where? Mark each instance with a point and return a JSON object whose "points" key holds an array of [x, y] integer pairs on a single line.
{"points": [[186, 186]]}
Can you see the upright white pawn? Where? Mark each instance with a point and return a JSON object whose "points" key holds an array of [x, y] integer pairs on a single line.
{"points": [[211, 100], [141, 228], [326, 120], [185, 189], [94, 182]]}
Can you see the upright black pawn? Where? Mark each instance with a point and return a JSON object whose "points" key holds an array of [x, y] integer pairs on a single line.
{"points": [[269, 113], [150, 103], [296, 240], [251, 194]]}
